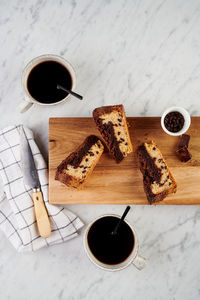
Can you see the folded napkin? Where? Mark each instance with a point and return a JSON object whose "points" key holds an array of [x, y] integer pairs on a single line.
{"points": [[17, 217]]}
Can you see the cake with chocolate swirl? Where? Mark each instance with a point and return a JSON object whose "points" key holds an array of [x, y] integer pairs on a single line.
{"points": [[111, 122], [157, 178], [74, 170]]}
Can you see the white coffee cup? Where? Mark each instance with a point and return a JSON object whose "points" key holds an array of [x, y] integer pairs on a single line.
{"points": [[28, 100], [134, 258]]}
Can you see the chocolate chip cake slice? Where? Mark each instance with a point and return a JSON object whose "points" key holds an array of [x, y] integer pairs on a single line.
{"points": [[111, 122], [75, 169], [157, 179]]}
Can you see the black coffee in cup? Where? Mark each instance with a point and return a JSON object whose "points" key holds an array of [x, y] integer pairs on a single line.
{"points": [[43, 79], [110, 248]]}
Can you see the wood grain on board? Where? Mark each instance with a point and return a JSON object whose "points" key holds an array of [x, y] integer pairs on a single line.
{"points": [[112, 183]]}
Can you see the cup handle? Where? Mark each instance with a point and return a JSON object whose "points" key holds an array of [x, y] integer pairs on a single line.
{"points": [[139, 262], [24, 105]]}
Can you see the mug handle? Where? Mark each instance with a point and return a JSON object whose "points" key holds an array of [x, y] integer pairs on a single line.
{"points": [[24, 105], [139, 262]]}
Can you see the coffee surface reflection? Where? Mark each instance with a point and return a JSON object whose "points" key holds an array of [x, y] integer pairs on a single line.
{"points": [[106, 247]]}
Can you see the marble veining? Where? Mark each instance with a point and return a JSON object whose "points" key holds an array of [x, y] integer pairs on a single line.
{"points": [[146, 55]]}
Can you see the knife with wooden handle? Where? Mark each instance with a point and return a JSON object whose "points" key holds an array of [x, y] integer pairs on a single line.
{"points": [[31, 180]]}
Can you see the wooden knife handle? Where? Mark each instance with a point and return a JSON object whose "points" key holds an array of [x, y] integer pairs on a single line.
{"points": [[41, 214]]}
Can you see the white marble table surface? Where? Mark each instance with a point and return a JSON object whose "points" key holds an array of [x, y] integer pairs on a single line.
{"points": [[146, 55]]}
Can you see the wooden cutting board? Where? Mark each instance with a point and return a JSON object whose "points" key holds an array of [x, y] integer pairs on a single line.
{"points": [[112, 183]]}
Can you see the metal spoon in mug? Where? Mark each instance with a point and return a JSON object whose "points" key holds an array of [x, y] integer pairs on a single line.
{"points": [[114, 232], [60, 87]]}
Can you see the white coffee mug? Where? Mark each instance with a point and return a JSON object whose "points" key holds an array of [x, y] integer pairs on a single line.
{"points": [[134, 258], [28, 100]]}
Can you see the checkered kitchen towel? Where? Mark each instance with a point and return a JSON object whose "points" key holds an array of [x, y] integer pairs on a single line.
{"points": [[17, 218]]}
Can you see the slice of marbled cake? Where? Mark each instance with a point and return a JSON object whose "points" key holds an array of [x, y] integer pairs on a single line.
{"points": [[111, 122], [75, 169], [157, 178]]}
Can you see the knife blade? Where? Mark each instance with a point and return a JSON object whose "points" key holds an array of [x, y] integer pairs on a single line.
{"points": [[29, 170], [31, 179]]}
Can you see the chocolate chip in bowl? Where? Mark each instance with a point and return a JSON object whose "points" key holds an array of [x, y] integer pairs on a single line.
{"points": [[175, 121]]}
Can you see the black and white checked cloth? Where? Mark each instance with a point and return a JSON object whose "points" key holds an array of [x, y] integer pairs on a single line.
{"points": [[17, 218]]}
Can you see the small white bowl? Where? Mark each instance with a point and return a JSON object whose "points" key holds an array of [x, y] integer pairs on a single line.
{"points": [[186, 116]]}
